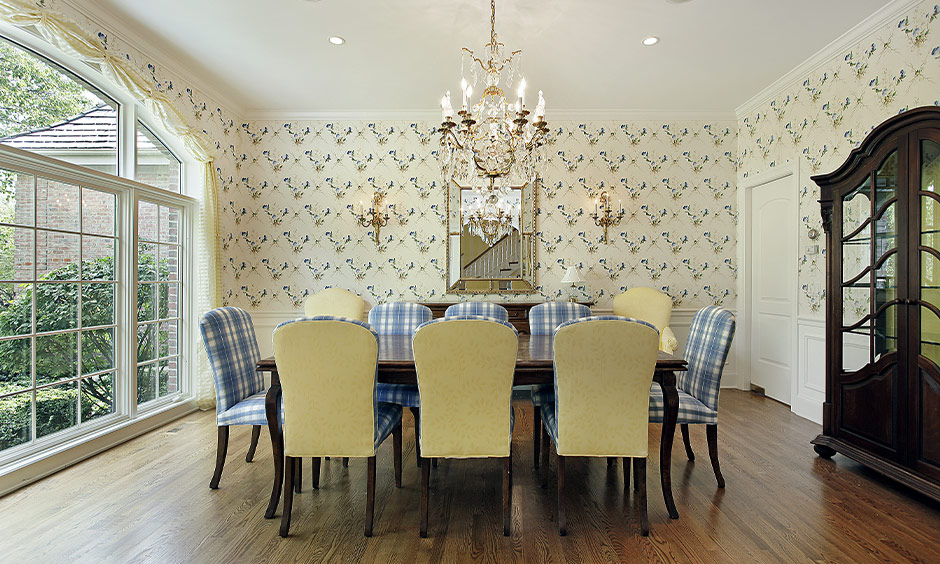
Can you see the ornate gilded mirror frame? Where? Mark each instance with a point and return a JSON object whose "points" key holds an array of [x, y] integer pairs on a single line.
{"points": [[522, 277]]}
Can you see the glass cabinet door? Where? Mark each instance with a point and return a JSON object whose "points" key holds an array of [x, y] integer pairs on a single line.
{"points": [[926, 383], [871, 309]]}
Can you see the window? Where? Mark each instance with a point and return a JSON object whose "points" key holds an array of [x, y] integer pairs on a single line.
{"points": [[158, 301], [94, 315], [57, 294], [47, 110], [156, 164]]}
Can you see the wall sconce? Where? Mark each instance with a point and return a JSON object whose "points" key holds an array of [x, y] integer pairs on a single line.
{"points": [[603, 216], [375, 216]]}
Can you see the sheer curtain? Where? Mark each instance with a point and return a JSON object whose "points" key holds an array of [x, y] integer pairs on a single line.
{"points": [[64, 34]]}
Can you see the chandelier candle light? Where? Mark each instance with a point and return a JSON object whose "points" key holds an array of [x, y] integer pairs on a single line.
{"points": [[493, 138], [603, 215], [375, 216]]}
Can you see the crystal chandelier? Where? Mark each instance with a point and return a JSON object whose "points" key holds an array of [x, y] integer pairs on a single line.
{"points": [[494, 139], [490, 215]]}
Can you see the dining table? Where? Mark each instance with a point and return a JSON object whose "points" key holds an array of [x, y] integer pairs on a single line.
{"points": [[534, 365]]}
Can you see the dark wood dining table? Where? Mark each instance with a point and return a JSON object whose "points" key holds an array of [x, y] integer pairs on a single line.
{"points": [[534, 365]]}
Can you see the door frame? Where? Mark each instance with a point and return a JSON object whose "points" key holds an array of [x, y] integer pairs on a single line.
{"points": [[746, 187]]}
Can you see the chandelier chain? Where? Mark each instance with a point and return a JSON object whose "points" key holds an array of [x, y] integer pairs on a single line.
{"points": [[493, 23]]}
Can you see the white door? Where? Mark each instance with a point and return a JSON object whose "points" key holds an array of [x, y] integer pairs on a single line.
{"points": [[773, 285]]}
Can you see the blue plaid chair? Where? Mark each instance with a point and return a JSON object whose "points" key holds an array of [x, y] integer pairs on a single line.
{"points": [[233, 352], [486, 309], [400, 318], [543, 320], [706, 351]]}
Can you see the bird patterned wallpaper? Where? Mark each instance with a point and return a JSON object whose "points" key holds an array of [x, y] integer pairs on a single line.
{"points": [[289, 229], [820, 118]]}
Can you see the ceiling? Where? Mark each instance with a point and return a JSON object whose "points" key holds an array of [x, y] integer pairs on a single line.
{"points": [[273, 56]]}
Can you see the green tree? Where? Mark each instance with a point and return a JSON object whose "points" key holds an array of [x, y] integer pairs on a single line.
{"points": [[57, 309], [33, 93]]}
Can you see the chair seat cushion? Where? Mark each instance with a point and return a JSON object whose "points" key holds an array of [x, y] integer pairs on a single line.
{"points": [[549, 421], [249, 411], [542, 394], [387, 417], [400, 394], [691, 410]]}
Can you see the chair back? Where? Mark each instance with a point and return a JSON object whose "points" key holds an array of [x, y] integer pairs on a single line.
{"points": [[486, 309], [398, 318], [545, 318], [336, 302], [645, 304], [603, 372], [233, 354], [465, 367], [327, 367], [706, 351]]}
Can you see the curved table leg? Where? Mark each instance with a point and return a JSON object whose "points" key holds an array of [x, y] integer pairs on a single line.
{"points": [[671, 415], [277, 443]]}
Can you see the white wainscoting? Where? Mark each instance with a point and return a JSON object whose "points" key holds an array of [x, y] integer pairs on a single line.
{"points": [[266, 320], [809, 388]]}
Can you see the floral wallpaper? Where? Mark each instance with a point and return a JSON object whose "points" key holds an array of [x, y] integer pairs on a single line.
{"points": [[288, 226], [818, 120]]}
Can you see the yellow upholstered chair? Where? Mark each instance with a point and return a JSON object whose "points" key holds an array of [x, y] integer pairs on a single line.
{"points": [[603, 372], [652, 306], [327, 367], [336, 301], [465, 367]]}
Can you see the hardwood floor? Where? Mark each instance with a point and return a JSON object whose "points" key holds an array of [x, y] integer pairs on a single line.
{"points": [[149, 501]]}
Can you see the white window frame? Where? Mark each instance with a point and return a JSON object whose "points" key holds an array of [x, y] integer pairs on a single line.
{"points": [[26, 463]]}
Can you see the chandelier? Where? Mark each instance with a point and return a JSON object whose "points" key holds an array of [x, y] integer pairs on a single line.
{"points": [[490, 214], [493, 139]]}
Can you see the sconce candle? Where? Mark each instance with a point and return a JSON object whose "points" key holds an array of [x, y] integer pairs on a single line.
{"points": [[374, 217], [603, 216]]}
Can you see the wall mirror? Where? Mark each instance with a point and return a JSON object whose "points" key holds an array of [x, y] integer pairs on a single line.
{"points": [[490, 235]]}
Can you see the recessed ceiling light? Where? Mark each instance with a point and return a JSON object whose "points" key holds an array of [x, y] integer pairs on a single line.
{"points": [[651, 40], [337, 40]]}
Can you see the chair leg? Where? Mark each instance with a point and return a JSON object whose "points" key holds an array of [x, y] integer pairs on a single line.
{"points": [[370, 496], [546, 445], [626, 476], [255, 433], [314, 472], [288, 494], [611, 460], [425, 479], [636, 479], [711, 434], [685, 438], [507, 494], [396, 446], [536, 434], [562, 521], [416, 414], [220, 451], [345, 462], [639, 469], [298, 474]]}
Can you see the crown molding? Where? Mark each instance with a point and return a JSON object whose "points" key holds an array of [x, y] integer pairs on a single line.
{"points": [[123, 30], [435, 115], [881, 18]]}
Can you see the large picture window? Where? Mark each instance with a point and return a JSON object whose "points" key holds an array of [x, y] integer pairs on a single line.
{"points": [[93, 303]]}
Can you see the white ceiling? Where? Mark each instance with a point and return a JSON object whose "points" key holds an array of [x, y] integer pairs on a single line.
{"points": [[273, 55]]}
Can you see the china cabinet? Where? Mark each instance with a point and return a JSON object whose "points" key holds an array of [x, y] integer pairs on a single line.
{"points": [[881, 214]]}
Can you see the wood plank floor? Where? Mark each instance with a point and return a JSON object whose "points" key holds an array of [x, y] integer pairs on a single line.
{"points": [[148, 501]]}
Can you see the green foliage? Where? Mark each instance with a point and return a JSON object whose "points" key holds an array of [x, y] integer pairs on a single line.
{"points": [[34, 94], [57, 309]]}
